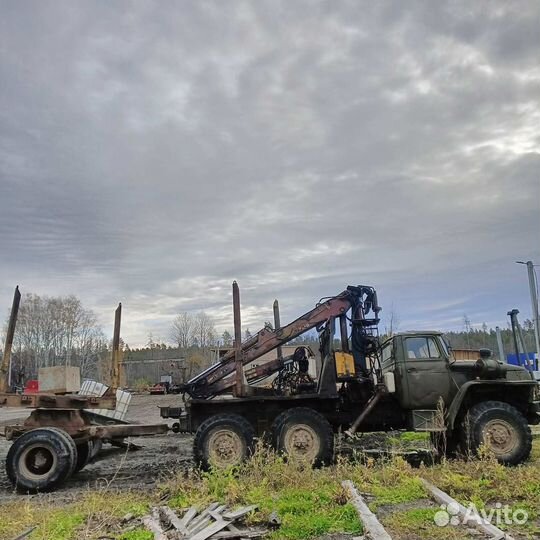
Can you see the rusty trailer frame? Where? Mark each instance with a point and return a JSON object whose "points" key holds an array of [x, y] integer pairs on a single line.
{"points": [[61, 434]]}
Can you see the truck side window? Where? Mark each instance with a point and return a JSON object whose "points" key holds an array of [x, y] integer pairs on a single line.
{"points": [[387, 352], [421, 347]]}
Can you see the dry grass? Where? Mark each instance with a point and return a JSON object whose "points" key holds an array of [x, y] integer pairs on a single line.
{"points": [[311, 502]]}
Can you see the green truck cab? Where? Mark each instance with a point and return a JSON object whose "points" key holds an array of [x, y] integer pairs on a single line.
{"points": [[462, 403]]}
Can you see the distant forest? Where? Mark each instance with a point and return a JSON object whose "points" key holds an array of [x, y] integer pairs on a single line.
{"points": [[60, 330]]}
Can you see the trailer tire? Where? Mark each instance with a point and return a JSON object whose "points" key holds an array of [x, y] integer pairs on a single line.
{"points": [[223, 440], [97, 444], [501, 427], [40, 460], [304, 434], [84, 455]]}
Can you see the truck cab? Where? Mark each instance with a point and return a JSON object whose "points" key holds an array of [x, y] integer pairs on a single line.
{"points": [[486, 401], [420, 362]]}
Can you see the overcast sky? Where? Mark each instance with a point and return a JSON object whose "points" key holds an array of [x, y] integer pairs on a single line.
{"points": [[152, 152]]}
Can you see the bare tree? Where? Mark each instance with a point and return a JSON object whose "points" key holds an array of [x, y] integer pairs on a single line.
{"points": [[393, 322], [204, 333], [182, 329], [55, 331]]}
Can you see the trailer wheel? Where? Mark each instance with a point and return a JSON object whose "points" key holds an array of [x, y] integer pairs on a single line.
{"points": [[40, 460], [223, 440], [84, 455], [304, 433], [500, 427], [95, 448]]}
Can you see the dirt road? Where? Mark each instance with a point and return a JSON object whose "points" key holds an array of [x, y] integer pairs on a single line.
{"points": [[141, 469], [159, 457]]}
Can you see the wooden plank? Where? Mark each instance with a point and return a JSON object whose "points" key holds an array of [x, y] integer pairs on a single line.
{"points": [[477, 521], [26, 533], [207, 532], [174, 520], [203, 516], [207, 520], [188, 516], [372, 525], [240, 512], [238, 533], [153, 525]]}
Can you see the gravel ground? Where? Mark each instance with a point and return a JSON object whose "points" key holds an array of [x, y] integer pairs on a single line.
{"points": [[159, 456]]}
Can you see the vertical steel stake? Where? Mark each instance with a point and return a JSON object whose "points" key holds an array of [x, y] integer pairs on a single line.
{"points": [[277, 326], [115, 366], [5, 368], [239, 368]]}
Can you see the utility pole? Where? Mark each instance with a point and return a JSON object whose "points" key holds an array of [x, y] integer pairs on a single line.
{"points": [[534, 303]]}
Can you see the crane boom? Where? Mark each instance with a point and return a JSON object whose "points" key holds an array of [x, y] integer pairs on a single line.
{"points": [[216, 378]]}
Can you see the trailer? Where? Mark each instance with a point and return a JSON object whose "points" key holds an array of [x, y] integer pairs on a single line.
{"points": [[61, 434]]}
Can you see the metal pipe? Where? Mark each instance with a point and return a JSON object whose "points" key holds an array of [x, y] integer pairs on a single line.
{"points": [[534, 303], [277, 326], [379, 390], [502, 357], [513, 315], [239, 368], [343, 333], [115, 365], [527, 360], [5, 368]]}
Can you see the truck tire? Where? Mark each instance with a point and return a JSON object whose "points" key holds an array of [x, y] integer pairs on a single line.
{"points": [[40, 460], [501, 427], [303, 433], [223, 440]]}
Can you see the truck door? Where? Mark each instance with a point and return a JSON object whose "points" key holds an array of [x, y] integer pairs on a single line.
{"points": [[426, 372]]}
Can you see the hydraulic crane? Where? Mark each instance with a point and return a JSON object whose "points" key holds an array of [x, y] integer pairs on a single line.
{"points": [[227, 373]]}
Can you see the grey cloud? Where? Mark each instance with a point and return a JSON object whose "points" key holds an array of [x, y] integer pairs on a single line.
{"points": [[152, 154]]}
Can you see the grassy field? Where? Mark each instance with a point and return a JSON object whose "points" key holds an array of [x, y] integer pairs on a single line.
{"points": [[311, 503]]}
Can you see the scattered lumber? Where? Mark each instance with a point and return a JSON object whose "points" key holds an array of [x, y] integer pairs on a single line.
{"points": [[475, 519], [26, 533], [372, 525], [216, 522]]}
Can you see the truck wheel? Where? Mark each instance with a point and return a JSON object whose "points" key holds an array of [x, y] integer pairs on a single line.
{"points": [[502, 428], [304, 433], [40, 460], [223, 440]]}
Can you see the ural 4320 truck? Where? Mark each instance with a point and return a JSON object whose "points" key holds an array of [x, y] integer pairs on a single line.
{"points": [[409, 381]]}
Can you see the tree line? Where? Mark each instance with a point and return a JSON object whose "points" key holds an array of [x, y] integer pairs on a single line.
{"points": [[55, 331], [61, 331]]}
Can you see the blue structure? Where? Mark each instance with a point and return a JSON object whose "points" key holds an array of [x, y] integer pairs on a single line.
{"points": [[512, 359]]}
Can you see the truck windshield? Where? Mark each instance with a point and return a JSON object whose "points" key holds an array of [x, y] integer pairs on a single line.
{"points": [[445, 345]]}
